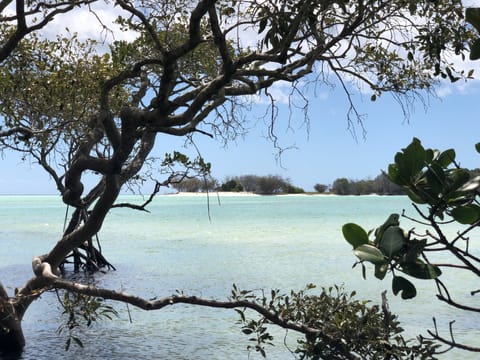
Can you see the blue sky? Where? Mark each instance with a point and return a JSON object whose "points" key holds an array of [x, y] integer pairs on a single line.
{"points": [[327, 151]]}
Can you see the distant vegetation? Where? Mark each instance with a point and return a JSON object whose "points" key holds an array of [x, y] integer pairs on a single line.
{"points": [[265, 185], [275, 184], [380, 185]]}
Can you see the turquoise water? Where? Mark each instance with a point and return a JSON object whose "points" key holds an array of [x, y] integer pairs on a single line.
{"points": [[202, 248]]}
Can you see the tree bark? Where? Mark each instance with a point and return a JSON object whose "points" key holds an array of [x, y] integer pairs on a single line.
{"points": [[12, 340]]}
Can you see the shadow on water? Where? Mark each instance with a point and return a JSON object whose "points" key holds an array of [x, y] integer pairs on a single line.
{"points": [[17, 355]]}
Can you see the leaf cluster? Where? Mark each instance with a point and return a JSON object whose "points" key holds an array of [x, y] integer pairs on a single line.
{"points": [[51, 89], [442, 193], [343, 325], [82, 310], [432, 177], [393, 250]]}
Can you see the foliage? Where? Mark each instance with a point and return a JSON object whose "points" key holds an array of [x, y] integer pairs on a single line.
{"points": [[381, 185], [442, 193], [265, 185], [82, 311], [231, 185], [291, 189], [472, 15], [320, 188], [196, 184], [391, 249], [338, 325]]}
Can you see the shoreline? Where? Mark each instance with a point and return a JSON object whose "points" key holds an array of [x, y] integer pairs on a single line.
{"points": [[239, 194], [215, 193]]}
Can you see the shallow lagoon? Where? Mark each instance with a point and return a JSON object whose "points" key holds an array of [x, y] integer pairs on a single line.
{"points": [[202, 247]]}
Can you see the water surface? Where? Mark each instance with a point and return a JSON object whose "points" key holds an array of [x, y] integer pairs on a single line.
{"points": [[255, 242]]}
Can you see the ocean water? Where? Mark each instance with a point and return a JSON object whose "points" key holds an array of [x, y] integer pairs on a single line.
{"points": [[202, 246]]}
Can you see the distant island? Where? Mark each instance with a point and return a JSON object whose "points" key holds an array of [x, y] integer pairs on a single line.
{"points": [[277, 185]]}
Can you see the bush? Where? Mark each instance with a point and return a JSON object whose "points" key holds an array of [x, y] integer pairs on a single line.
{"points": [[231, 185], [320, 188]]}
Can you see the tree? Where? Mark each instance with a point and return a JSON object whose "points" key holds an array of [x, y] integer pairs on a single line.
{"points": [[380, 185], [77, 109], [196, 184], [342, 186], [231, 185], [271, 184], [448, 194], [320, 188]]}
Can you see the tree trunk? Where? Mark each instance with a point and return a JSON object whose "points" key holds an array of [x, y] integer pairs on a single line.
{"points": [[12, 340]]}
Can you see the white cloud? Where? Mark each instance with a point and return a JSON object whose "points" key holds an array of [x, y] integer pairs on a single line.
{"points": [[96, 22]]}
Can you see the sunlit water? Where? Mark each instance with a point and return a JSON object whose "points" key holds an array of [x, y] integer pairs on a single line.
{"points": [[255, 242]]}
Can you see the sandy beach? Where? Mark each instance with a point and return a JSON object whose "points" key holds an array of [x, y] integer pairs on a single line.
{"points": [[213, 193], [236, 194]]}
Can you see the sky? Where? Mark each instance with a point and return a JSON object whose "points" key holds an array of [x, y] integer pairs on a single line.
{"points": [[325, 151]]}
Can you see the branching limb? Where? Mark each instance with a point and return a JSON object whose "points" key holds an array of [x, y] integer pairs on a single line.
{"points": [[451, 342], [159, 304]]}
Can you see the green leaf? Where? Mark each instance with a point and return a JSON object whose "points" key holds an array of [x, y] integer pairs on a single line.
{"points": [[421, 270], [459, 178], [400, 284], [415, 248], [262, 25], [467, 214], [392, 241], [78, 341], [414, 157], [436, 181], [394, 175], [471, 185], [477, 147], [472, 15], [417, 199], [369, 253], [446, 157], [354, 234], [475, 50], [381, 271]]}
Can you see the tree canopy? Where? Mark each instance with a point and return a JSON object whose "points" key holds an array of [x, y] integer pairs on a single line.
{"points": [[80, 109]]}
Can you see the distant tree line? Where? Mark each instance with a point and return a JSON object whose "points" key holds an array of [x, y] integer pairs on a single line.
{"points": [[265, 185], [381, 185], [342, 186], [275, 184]]}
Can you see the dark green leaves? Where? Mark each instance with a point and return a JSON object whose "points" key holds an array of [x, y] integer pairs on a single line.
{"points": [[472, 15], [421, 270], [392, 249], [446, 157], [467, 214], [433, 177], [381, 271], [407, 289], [409, 162], [354, 234], [392, 241], [475, 50]]}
